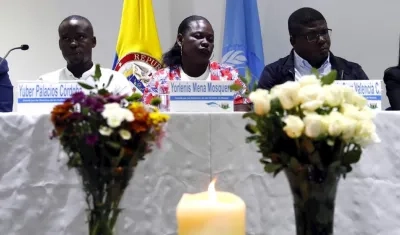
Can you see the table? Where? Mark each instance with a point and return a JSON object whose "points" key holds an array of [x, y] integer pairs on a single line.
{"points": [[39, 195]]}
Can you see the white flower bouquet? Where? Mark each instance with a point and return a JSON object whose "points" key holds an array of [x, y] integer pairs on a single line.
{"points": [[311, 123], [313, 130]]}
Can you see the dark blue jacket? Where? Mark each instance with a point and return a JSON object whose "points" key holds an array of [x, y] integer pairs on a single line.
{"points": [[282, 71], [6, 89]]}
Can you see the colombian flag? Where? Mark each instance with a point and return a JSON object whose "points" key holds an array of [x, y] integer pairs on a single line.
{"points": [[138, 50]]}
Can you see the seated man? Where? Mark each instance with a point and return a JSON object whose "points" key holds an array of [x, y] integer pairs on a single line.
{"points": [[76, 43], [6, 89], [310, 38]]}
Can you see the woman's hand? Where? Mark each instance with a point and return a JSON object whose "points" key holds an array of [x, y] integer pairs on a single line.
{"points": [[242, 107]]}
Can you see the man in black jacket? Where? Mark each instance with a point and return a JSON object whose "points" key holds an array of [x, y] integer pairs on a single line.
{"points": [[310, 38]]}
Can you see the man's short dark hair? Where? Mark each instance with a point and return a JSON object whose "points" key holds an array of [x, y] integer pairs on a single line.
{"points": [[78, 17], [303, 17]]}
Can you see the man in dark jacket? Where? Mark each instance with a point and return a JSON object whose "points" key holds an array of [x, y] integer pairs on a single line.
{"points": [[310, 38], [6, 89]]}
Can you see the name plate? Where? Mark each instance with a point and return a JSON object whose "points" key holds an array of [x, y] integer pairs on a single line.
{"points": [[201, 96], [370, 89], [41, 96]]}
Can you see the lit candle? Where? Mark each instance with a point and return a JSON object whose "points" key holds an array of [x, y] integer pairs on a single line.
{"points": [[211, 213]]}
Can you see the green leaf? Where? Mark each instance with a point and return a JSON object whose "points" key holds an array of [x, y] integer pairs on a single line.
{"points": [[97, 73], [114, 145], [86, 86], [254, 88], [251, 128], [294, 164], [85, 111], [134, 97], [275, 104], [244, 80], [252, 138], [284, 157], [155, 101], [109, 81], [352, 156], [251, 115], [272, 167], [329, 78], [103, 92], [315, 72], [236, 87], [277, 171]]}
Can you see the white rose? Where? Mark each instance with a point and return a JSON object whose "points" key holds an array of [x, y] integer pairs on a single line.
{"points": [[367, 112], [352, 97], [311, 97], [314, 125], [287, 94], [349, 128], [333, 95], [351, 111], [359, 100], [309, 80], [311, 106], [261, 101], [365, 133], [334, 123], [106, 131], [126, 135], [294, 126]]}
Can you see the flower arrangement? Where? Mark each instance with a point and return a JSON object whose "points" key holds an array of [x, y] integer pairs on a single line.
{"points": [[311, 123], [105, 136], [313, 130]]}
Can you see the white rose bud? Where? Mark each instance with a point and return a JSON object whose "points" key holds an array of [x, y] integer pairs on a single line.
{"points": [[287, 94], [311, 97], [309, 80], [294, 126], [314, 125], [261, 101], [333, 95]]}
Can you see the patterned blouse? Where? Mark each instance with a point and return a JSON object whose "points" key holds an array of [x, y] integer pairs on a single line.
{"points": [[218, 72]]}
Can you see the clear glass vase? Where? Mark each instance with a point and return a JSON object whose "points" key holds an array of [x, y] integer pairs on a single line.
{"points": [[314, 194]]}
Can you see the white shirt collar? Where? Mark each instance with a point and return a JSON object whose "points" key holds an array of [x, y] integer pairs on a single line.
{"points": [[84, 76], [303, 68]]}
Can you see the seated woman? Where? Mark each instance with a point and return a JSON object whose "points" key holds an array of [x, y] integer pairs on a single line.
{"points": [[391, 78], [189, 59]]}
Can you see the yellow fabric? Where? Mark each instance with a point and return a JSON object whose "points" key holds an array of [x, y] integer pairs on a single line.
{"points": [[138, 30]]}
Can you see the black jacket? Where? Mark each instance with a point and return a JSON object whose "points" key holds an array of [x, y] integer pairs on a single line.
{"points": [[391, 78], [282, 71]]}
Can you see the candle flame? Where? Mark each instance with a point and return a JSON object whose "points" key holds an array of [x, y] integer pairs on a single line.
{"points": [[212, 195]]}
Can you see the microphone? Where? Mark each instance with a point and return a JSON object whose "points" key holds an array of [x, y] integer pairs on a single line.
{"points": [[23, 47]]}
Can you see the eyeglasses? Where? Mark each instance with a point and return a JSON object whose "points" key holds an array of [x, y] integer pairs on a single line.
{"points": [[315, 36]]}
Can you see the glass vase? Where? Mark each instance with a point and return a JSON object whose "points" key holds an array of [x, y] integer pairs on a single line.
{"points": [[314, 194]]}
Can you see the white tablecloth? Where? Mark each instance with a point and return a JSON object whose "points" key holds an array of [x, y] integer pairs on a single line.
{"points": [[39, 195]]}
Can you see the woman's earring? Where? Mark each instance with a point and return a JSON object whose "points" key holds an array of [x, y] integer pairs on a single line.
{"points": [[181, 50]]}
